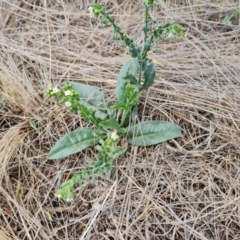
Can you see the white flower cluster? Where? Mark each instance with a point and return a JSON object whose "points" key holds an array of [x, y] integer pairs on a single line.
{"points": [[91, 11], [68, 92], [51, 91], [114, 136], [55, 90], [68, 104], [170, 35], [67, 200]]}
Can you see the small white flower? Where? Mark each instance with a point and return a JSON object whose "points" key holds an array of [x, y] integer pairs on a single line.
{"points": [[91, 11], [67, 93], [58, 195], [170, 35], [69, 199], [114, 136], [55, 90], [68, 104]]}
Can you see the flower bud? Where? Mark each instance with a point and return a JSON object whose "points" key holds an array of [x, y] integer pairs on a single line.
{"points": [[130, 91], [66, 193], [95, 10]]}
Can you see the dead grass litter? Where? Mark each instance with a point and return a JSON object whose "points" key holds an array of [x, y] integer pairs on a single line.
{"points": [[188, 188]]}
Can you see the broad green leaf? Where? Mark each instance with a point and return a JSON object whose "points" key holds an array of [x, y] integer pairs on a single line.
{"points": [[112, 124], [2, 101], [129, 67], [149, 75], [93, 98], [226, 21], [152, 132], [74, 142]]}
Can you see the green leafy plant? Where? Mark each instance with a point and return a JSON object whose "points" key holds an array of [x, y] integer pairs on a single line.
{"points": [[113, 122], [227, 20]]}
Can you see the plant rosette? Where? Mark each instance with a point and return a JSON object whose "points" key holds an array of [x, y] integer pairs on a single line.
{"points": [[113, 122]]}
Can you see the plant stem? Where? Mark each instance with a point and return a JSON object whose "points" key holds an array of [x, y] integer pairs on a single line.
{"points": [[145, 30], [145, 22], [140, 70], [146, 49], [127, 41], [125, 113]]}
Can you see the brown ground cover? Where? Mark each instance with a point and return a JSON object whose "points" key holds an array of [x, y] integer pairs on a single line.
{"points": [[188, 188]]}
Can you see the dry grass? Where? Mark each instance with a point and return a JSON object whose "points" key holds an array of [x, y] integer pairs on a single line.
{"points": [[184, 189]]}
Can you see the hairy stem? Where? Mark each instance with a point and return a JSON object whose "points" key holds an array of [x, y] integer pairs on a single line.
{"points": [[144, 53]]}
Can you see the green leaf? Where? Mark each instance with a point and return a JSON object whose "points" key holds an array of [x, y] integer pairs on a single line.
{"points": [[49, 216], [89, 115], [74, 142], [152, 132], [119, 105], [114, 152], [236, 12], [149, 75], [134, 50], [129, 67], [67, 191], [134, 114], [32, 125], [112, 124], [93, 98], [118, 151], [144, 63], [176, 29], [173, 28], [132, 80], [2, 101], [226, 21]]}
